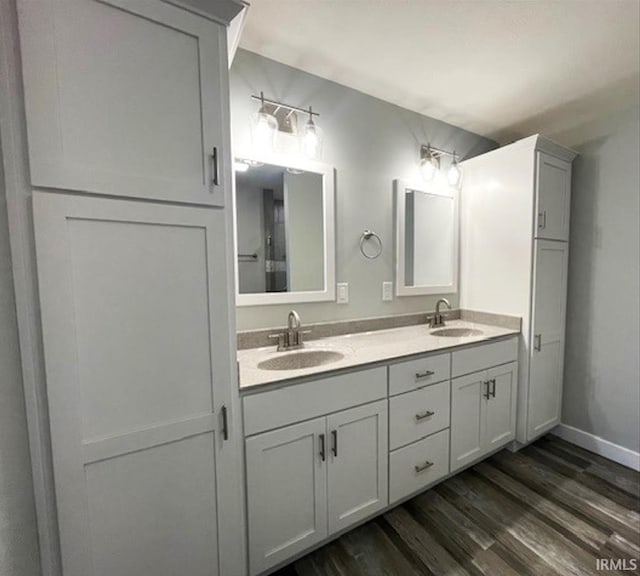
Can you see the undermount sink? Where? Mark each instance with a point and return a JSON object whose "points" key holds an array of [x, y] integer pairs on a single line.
{"points": [[301, 359], [456, 332]]}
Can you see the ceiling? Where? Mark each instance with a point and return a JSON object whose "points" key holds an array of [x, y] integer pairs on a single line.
{"points": [[500, 68]]}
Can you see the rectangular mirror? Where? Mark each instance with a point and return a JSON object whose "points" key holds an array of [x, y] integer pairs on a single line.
{"points": [[284, 217], [426, 239]]}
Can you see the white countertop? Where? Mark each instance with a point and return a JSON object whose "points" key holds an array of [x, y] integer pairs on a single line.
{"points": [[361, 349]]}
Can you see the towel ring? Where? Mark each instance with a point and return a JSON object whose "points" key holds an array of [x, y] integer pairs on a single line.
{"points": [[367, 235]]}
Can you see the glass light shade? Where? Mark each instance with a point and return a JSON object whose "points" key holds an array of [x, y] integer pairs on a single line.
{"points": [[454, 175], [239, 166], [429, 167], [263, 131], [311, 139]]}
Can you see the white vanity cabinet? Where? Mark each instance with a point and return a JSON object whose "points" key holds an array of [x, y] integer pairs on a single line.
{"points": [[483, 413], [308, 480], [125, 98], [515, 207]]}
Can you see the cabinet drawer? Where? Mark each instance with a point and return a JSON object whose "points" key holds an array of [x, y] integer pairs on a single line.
{"points": [[483, 356], [417, 414], [407, 376], [418, 465], [298, 402]]}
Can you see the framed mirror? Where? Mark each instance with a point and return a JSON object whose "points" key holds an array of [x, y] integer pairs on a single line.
{"points": [[427, 221], [285, 231]]}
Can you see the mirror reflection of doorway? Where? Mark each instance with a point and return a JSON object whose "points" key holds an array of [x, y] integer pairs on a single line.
{"points": [[275, 262]]}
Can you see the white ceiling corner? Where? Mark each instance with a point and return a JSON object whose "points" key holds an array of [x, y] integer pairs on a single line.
{"points": [[500, 68]]}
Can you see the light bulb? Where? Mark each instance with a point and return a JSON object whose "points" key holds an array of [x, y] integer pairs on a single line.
{"points": [[264, 128], [429, 167], [311, 140], [454, 175]]}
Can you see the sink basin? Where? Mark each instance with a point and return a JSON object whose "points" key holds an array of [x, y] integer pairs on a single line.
{"points": [[301, 359], [456, 332]]}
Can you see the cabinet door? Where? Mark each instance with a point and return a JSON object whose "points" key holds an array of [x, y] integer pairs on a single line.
{"points": [[500, 426], [358, 470], [547, 342], [553, 198], [124, 97], [468, 405], [135, 332], [286, 492]]}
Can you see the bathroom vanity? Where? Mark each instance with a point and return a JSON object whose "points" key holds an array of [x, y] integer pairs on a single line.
{"points": [[396, 411]]}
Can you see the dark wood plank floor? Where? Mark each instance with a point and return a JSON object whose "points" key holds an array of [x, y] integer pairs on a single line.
{"points": [[552, 509]]}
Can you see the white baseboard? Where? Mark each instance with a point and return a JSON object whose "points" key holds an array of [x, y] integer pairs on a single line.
{"points": [[598, 445]]}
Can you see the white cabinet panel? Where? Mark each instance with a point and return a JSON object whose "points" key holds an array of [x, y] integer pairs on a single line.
{"points": [[286, 492], [468, 395], [418, 414], [418, 465], [501, 406], [476, 358], [547, 351], [124, 97], [358, 469], [154, 512], [553, 198], [412, 374], [135, 333]]}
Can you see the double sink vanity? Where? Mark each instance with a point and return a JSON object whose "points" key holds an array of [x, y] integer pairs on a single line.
{"points": [[345, 427]]}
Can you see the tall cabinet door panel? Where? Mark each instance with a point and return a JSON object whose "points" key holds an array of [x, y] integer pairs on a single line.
{"points": [[137, 365], [547, 343], [286, 492], [501, 405], [468, 405], [358, 471], [123, 97], [553, 198]]}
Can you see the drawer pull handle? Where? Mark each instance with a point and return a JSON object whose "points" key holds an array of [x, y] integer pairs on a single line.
{"points": [[424, 415], [493, 387], [422, 467], [334, 435], [425, 374], [487, 389]]}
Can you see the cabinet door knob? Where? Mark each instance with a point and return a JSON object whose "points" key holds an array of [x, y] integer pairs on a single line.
{"points": [[225, 424], [323, 454], [537, 342], [425, 374], [215, 178], [424, 415], [422, 467]]}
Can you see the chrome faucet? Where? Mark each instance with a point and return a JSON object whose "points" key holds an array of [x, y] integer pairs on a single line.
{"points": [[437, 319], [292, 337]]}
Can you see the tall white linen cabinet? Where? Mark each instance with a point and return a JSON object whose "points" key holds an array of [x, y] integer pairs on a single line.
{"points": [[515, 205], [129, 173]]}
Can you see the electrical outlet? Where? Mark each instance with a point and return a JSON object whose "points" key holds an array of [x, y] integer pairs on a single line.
{"points": [[387, 291], [343, 292]]}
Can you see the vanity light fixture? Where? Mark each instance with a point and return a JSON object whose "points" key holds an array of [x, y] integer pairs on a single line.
{"points": [[263, 128], [281, 117], [430, 165]]}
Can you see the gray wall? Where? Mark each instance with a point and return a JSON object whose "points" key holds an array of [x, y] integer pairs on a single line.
{"points": [[369, 143], [602, 371], [18, 535]]}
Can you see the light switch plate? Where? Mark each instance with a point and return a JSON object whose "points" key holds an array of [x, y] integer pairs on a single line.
{"points": [[343, 292], [387, 291]]}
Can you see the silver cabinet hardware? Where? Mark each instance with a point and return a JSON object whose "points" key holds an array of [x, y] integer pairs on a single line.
{"points": [[422, 467], [425, 374], [537, 342], [225, 424], [323, 454], [487, 393], [334, 436], [215, 180], [424, 415], [542, 219]]}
